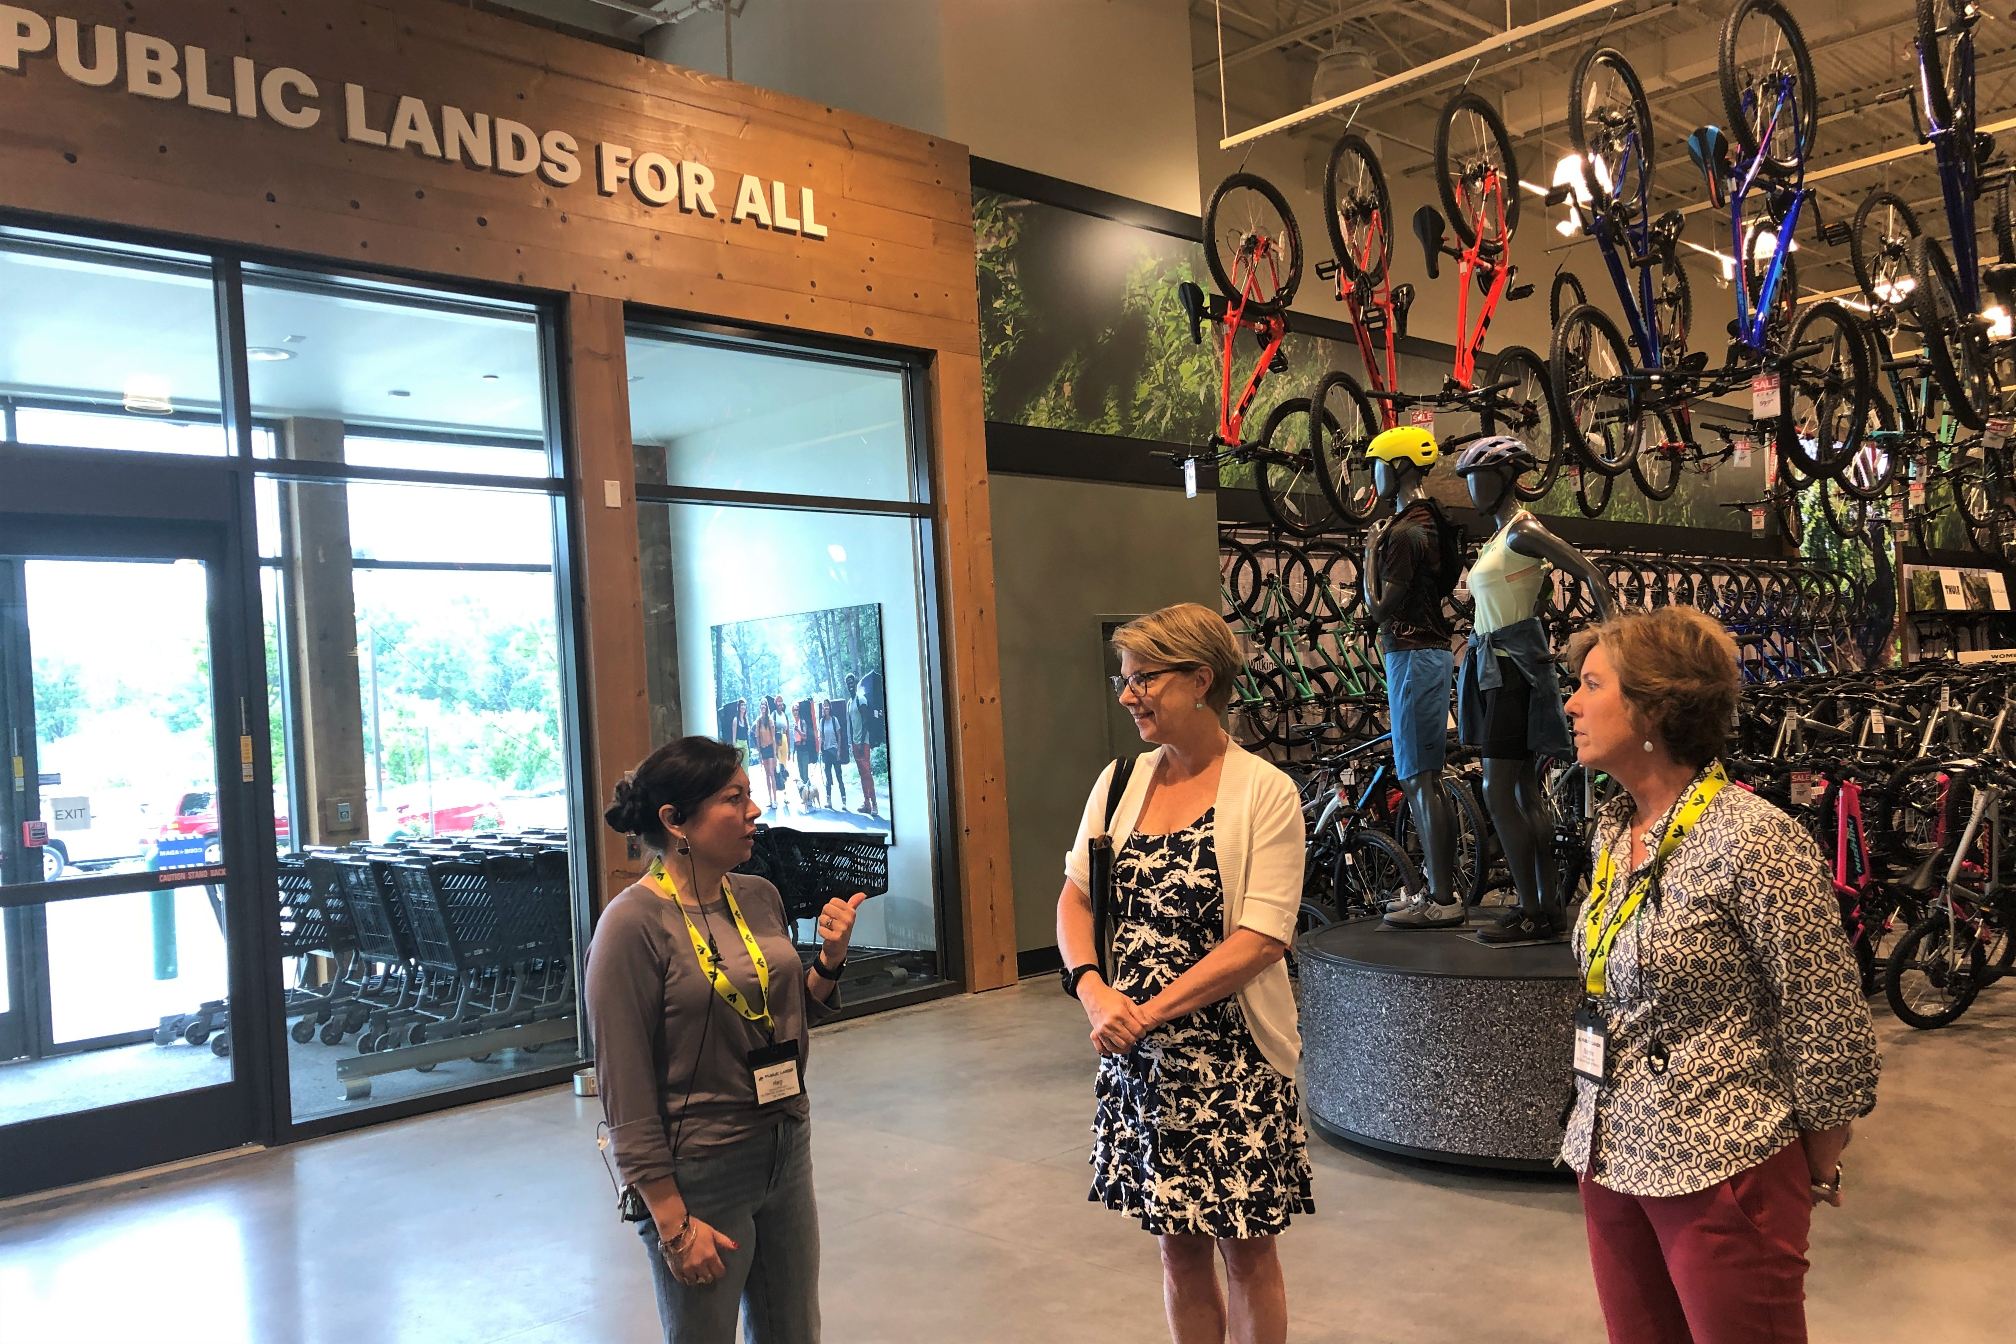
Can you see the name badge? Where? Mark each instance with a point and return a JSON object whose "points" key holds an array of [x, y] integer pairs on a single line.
{"points": [[1591, 1038], [775, 1069]]}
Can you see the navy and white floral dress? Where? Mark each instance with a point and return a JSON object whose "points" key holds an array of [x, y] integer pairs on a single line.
{"points": [[1196, 1132]]}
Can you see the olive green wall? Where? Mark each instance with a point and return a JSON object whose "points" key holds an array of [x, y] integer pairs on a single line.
{"points": [[1069, 556]]}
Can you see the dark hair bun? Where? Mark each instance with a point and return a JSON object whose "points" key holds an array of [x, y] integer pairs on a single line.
{"points": [[626, 814], [681, 775]]}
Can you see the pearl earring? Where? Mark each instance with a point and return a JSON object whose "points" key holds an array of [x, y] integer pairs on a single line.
{"points": [[1200, 704], [1648, 744]]}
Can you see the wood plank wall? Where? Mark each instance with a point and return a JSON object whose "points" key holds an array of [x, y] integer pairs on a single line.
{"points": [[896, 268]]}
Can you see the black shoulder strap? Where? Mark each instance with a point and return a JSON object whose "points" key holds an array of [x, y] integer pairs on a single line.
{"points": [[1123, 770]]}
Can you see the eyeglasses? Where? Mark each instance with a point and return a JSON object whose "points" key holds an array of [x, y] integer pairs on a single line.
{"points": [[1139, 682]]}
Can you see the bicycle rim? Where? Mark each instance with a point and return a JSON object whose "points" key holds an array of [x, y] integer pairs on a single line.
{"points": [[1526, 412], [1673, 309], [1252, 243], [1371, 870], [1952, 342], [1944, 46], [1655, 461], [1340, 428], [1877, 247], [1290, 490], [1563, 295], [1930, 981], [1589, 364], [1610, 126], [1767, 85], [1825, 393], [1357, 210], [1476, 173]]}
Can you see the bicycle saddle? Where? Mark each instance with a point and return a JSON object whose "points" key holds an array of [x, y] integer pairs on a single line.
{"points": [[1984, 149], [1431, 229], [1403, 299], [1709, 149], [1191, 296]]}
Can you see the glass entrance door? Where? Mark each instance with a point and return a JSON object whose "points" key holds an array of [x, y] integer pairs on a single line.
{"points": [[115, 818]]}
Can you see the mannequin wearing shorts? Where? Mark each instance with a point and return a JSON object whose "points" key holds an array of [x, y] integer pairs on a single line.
{"points": [[1509, 697], [1404, 588]]}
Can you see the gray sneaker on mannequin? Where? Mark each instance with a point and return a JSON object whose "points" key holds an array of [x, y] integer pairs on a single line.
{"points": [[1426, 913]]}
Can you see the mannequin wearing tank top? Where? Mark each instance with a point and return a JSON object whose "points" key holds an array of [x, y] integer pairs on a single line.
{"points": [[1507, 583]]}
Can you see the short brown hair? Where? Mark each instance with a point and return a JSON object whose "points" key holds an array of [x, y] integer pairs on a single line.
{"points": [[1678, 669], [1186, 636]]}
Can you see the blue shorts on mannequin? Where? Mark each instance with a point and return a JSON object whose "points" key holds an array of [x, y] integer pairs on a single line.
{"points": [[1417, 689]]}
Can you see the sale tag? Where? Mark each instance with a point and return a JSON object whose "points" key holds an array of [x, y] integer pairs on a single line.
{"points": [[1756, 520], [1190, 478], [1876, 724], [1917, 494], [1997, 434], [1741, 455], [1802, 788], [1897, 509], [1422, 417], [1945, 698], [1764, 397]]}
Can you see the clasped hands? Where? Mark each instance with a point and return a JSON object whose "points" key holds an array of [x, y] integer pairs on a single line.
{"points": [[1118, 1023]]}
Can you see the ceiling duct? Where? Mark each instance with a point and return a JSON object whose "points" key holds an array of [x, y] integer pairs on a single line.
{"points": [[1342, 70]]}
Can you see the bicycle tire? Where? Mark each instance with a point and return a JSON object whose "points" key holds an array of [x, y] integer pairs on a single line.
{"points": [[1367, 196], [1903, 815], [1298, 579], [1341, 590], [1940, 69], [1243, 579], [1656, 466], [1874, 465], [1569, 284], [1503, 163], [1589, 353], [1673, 311], [1975, 497], [1879, 260], [1838, 395], [1592, 150], [1371, 868], [1290, 488], [1805, 103], [1526, 412], [1338, 438], [1222, 274], [1846, 514], [1921, 954], [1592, 492], [1960, 360]]}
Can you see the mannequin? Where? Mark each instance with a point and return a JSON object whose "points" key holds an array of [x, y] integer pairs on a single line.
{"points": [[1510, 698], [1411, 563]]}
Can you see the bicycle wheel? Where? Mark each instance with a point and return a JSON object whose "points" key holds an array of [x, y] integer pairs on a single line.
{"points": [[1930, 980], [1757, 254], [1290, 489], [1526, 412], [1337, 567], [1286, 564], [1825, 384], [1984, 512], [1357, 210], [1338, 436], [1874, 464], [1767, 85], [1371, 870], [1953, 341], [1610, 125], [1659, 455], [1590, 364], [1564, 294], [1945, 42], [1592, 491], [1252, 243], [1476, 173], [1673, 310], [1877, 246], [1846, 514], [1243, 577]]}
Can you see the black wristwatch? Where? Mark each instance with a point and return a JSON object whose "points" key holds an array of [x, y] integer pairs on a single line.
{"points": [[1073, 974], [819, 965]]}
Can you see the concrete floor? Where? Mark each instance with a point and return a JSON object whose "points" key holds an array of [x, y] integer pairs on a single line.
{"points": [[950, 1148]]}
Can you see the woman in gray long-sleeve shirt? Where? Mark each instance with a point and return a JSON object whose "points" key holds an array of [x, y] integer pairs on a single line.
{"points": [[699, 1004]]}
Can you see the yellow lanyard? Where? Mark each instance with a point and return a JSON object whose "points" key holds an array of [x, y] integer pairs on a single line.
{"points": [[710, 964], [1602, 924]]}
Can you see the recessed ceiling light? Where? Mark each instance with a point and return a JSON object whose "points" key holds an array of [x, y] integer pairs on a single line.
{"points": [[292, 340], [489, 377], [398, 392], [147, 394], [267, 354]]}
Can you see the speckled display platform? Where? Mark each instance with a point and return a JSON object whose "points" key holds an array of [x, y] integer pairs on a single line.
{"points": [[1431, 1045]]}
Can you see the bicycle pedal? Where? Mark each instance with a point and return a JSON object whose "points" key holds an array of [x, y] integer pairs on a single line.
{"points": [[1278, 364]]}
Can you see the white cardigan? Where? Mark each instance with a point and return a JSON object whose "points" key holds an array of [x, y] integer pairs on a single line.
{"points": [[1260, 842]]}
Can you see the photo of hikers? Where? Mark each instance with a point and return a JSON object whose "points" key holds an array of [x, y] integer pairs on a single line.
{"points": [[802, 697]]}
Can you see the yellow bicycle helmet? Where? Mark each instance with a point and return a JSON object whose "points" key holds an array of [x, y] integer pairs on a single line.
{"points": [[1412, 442]]}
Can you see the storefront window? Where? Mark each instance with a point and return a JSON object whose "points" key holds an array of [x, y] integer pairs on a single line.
{"points": [[108, 347], [800, 634]]}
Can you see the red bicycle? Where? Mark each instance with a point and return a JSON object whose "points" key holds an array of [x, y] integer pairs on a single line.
{"points": [[1254, 250]]}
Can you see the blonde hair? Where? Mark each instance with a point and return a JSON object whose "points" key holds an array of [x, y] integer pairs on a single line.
{"points": [[1677, 668], [1186, 636]]}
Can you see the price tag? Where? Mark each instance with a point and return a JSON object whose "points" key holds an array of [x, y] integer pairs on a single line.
{"points": [[1998, 591], [245, 758], [1350, 779], [1945, 698], [1917, 494], [1575, 477], [1350, 859], [1764, 397], [1997, 434], [1802, 788], [1190, 478], [1876, 724], [1743, 448], [1897, 509], [1756, 520], [1422, 417]]}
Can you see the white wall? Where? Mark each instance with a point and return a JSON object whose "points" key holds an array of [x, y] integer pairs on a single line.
{"points": [[733, 564], [1094, 91]]}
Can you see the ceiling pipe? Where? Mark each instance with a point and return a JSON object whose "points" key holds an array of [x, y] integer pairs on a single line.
{"points": [[1475, 52], [1296, 34]]}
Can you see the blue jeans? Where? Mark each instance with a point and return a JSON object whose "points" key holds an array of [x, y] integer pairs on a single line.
{"points": [[759, 1195], [1417, 692]]}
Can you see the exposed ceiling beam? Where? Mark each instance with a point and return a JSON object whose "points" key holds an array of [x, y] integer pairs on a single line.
{"points": [[1294, 35]]}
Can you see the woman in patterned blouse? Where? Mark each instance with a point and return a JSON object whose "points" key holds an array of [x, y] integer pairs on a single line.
{"points": [[1725, 1047], [1199, 1131]]}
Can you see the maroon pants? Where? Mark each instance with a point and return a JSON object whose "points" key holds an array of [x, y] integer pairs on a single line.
{"points": [[1725, 1265]]}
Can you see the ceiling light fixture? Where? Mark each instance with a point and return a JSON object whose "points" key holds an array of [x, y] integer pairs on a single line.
{"points": [[398, 392], [267, 354], [147, 394], [1568, 173]]}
